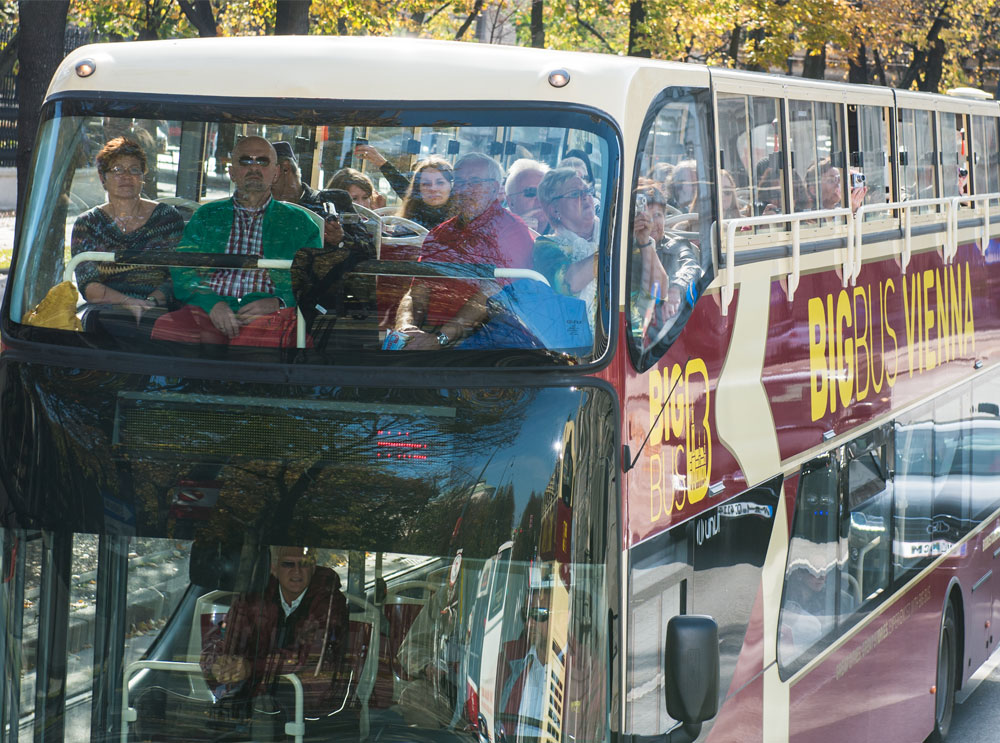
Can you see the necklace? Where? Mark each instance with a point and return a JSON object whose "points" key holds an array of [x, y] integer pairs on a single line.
{"points": [[125, 221]]}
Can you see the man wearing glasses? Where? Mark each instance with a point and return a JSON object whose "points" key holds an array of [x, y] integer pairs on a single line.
{"points": [[236, 306], [298, 624], [438, 313]]}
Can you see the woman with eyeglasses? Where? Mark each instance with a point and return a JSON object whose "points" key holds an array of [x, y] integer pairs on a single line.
{"points": [[568, 256], [126, 221]]}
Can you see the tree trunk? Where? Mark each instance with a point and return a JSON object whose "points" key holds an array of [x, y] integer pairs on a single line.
{"points": [[814, 65], [857, 66], [934, 68], [638, 44], [42, 30], [292, 17], [473, 14], [756, 38], [735, 37], [200, 15], [537, 24]]}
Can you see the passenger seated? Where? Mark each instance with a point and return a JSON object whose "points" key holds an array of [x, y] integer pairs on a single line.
{"points": [[807, 611], [428, 200], [521, 190], [670, 266], [438, 313], [823, 182], [568, 257], [126, 221], [359, 186], [298, 624], [241, 307]]}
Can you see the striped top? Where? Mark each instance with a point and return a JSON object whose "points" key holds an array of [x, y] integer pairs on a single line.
{"points": [[95, 230]]}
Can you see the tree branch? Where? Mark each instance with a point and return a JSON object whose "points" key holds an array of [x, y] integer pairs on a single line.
{"points": [[476, 9], [590, 28]]}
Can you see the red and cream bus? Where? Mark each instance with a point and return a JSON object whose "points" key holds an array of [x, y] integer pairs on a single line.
{"points": [[732, 381]]}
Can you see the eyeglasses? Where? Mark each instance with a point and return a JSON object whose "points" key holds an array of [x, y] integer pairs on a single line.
{"points": [[529, 193], [577, 194], [538, 613], [301, 564], [472, 182], [246, 161], [119, 172]]}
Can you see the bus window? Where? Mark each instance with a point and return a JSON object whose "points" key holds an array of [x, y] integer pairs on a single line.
{"points": [[867, 544], [809, 602], [672, 217], [917, 156], [816, 140], [869, 133], [914, 544], [954, 146], [155, 242]]}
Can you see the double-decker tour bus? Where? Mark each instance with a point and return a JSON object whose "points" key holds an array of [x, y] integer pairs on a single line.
{"points": [[511, 395]]}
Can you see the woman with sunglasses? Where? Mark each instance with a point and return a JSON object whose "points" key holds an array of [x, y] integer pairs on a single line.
{"points": [[126, 221], [568, 256]]}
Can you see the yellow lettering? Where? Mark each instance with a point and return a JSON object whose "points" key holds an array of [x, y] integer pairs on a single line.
{"points": [[656, 487], [845, 349], [929, 358], [818, 369], [911, 317], [676, 405], [955, 293], [699, 439], [832, 355], [861, 342], [890, 380], [655, 407], [970, 324], [943, 333]]}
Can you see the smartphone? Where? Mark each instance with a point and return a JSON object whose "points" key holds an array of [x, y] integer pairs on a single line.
{"points": [[360, 140], [857, 180]]}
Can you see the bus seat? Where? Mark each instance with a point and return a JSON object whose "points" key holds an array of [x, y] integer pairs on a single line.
{"points": [[403, 603], [366, 657]]}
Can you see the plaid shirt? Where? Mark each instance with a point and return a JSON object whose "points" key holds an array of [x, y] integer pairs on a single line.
{"points": [[245, 238]]}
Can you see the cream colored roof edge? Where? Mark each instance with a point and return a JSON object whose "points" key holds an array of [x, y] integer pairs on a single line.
{"points": [[352, 68]]}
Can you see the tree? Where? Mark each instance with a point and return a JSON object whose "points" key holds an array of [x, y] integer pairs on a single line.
{"points": [[42, 31], [292, 17]]}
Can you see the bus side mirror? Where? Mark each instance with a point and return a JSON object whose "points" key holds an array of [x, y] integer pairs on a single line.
{"points": [[691, 668]]}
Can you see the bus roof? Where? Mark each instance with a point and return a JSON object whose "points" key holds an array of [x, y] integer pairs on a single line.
{"points": [[351, 68]]}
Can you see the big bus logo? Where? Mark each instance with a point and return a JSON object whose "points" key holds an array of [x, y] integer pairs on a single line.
{"points": [[858, 342], [679, 472]]}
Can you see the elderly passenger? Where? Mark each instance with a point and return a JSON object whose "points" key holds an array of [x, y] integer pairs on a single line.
{"points": [[521, 189], [568, 257], [438, 313]]}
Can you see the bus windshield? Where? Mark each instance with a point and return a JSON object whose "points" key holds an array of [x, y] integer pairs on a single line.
{"points": [[436, 570], [321, 234]]}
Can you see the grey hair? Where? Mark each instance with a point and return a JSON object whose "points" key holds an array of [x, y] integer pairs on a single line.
{"points": [[552, 182], [493, 167], [295, 166], [523, 165]]}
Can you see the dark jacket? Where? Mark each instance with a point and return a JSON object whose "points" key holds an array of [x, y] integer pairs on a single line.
{"points": [[310, 642]]}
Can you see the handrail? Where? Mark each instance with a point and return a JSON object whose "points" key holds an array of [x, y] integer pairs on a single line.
{"points": [[959, 201], [729, 288], [906, 207], [366, 268], [296, 729]]}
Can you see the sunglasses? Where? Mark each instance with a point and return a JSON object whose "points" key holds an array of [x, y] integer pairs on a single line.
{"points": [[301, 564], [538, 613], [118, 171], [246, 161]]}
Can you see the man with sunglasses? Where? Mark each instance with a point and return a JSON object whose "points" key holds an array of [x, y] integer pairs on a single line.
{"points": [[438, 313], [521, 189], [241, 306], [297, 624]]}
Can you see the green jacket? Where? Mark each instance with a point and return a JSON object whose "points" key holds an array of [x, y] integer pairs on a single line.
{"points": [[287, 228]]}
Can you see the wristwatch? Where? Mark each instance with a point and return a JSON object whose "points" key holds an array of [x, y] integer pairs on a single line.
{"points": [[443, 339], [152, 299]]}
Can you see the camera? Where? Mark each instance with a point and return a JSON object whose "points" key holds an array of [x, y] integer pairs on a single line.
{"points": [[360, 140], [963, 172], [857, 180], [640, 204]]}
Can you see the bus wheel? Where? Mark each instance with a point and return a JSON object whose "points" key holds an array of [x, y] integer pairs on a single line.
{"points": [[947, 667]]}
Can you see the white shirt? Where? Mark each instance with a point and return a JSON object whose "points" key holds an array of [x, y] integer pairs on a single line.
{"points": [[289, 608]]}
